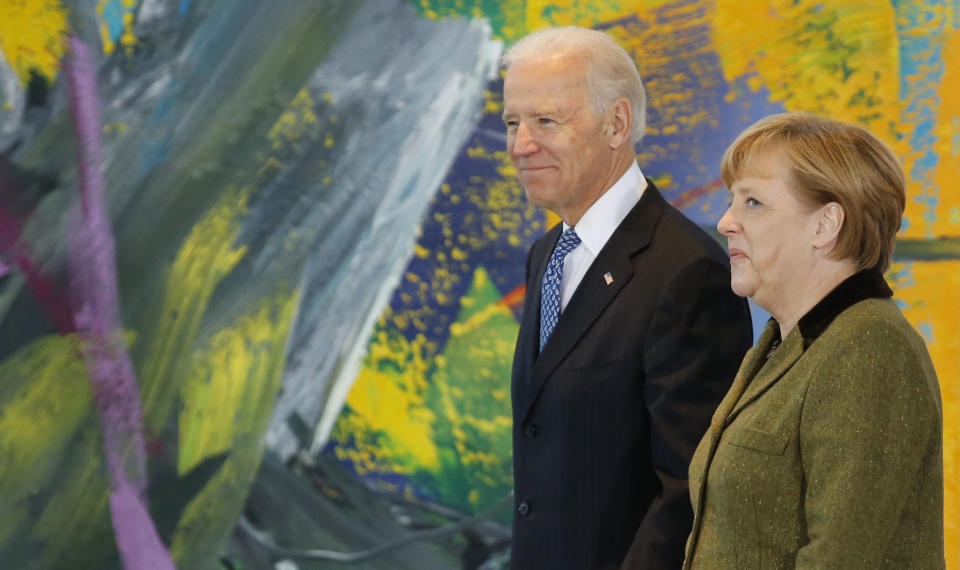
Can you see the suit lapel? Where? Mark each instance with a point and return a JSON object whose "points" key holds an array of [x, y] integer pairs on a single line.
{"points": [[594, 294], [531, 314], [587, 304]]}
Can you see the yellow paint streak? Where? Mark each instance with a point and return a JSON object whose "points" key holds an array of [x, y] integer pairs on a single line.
{"points": [[492, 102], [33, 36], [839, 59], [226, 405], [127, 39], [206, 257], [676, 107], [106, 40], [931, 291], [38, 419], [297, 120], [947, 145], [387, 398], [546, 13], [234, 381]]}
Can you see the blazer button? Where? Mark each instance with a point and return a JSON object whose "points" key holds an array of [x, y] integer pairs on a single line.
{"points": [[530, 430], [524, 509]]}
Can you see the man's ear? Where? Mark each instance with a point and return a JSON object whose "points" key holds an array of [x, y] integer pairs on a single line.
{"points": [[830, 218], [620, 119]]}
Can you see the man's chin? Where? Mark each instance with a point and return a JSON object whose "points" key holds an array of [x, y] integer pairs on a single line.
{"points": [[536, 195]]}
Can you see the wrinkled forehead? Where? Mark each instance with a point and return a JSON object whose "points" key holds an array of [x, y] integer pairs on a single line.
{"points": [[560, 74]]}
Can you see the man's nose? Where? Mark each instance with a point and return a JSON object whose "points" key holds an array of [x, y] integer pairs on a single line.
{"points": [[523, 141]]}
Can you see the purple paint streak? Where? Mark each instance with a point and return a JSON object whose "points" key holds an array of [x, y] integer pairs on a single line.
{"points": [[96, 315]]}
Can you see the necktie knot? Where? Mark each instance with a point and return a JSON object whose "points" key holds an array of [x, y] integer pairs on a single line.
{"points": [[550, 292], [569, 241]]}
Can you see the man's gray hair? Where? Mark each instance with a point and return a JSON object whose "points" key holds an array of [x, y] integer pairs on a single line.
{"points": [[610, 71]]}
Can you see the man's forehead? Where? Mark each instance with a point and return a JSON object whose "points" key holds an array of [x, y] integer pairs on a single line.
{"points": [[539, 83], [560, 63]]}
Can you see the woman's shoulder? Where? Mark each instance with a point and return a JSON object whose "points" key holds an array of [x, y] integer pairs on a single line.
{"points": [[873, 343], [873, 321]]}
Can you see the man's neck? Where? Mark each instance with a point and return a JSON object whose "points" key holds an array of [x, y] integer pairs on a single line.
{"points": [[622, 160]]}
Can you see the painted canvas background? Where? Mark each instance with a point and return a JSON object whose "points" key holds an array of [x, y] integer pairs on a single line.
{"points": [[261, 262]]}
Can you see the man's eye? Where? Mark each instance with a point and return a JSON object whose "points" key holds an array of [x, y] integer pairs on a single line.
{"points": [[545, 121], [511, 124]]}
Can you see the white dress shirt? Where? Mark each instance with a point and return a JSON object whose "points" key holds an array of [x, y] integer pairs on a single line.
{"points": [[597, 225]]}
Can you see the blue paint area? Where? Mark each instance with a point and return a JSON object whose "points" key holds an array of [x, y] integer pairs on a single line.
{"points": [[154, 148], [113, 12], [926, 329], [184, 7], [152, 154], [465, 214], [759, 317], [691, 156], [919, 29]]}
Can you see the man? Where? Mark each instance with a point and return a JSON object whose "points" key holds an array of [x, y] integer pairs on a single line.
{"points": [[630, 335]]}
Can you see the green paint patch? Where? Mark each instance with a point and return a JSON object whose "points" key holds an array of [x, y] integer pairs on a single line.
{"points": [[443, 420], [44, 397], [48, 428]]}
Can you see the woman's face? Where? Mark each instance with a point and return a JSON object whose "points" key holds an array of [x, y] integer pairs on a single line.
{"points": [[769, 234]]}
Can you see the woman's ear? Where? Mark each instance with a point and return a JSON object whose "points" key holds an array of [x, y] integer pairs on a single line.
{"points": [[830, 219]]}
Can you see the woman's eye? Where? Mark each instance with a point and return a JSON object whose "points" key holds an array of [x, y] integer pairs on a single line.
{"points": [[752, 202]]}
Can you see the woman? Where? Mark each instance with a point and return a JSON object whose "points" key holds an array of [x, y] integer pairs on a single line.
{"points": [[827, 451]]}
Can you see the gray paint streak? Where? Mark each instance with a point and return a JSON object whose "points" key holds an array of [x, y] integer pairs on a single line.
{"points": [[12, 95], [412, 111]]}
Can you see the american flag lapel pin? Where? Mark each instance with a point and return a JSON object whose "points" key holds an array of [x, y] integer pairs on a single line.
{"points": [[608, 278]]}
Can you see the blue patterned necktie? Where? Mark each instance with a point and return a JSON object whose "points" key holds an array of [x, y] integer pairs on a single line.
{"points": [[550, 288]]}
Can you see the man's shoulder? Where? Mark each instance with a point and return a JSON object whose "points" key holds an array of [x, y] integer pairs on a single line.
{"points": [[684, 239]]}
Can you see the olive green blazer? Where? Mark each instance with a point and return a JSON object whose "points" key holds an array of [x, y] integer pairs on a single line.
{"points": [[827, 455]]}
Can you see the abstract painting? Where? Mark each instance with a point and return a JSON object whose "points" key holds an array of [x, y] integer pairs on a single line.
{"points": [[261, 263]]}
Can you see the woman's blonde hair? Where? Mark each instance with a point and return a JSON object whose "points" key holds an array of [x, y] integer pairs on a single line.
{"points": [[830, 161]]}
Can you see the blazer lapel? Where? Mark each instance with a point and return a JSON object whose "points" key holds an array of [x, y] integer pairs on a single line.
{"points": [[594, 293], [752, 362], [780, 361]]}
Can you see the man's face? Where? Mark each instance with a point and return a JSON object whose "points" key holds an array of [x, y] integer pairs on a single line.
{"points": [[555, 138]]}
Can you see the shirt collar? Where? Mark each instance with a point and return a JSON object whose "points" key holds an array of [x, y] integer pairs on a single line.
{"points": [[867, 284], [602, 218]]}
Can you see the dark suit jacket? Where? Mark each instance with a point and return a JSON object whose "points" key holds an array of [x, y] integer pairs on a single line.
{"points": [[607, 417]]}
